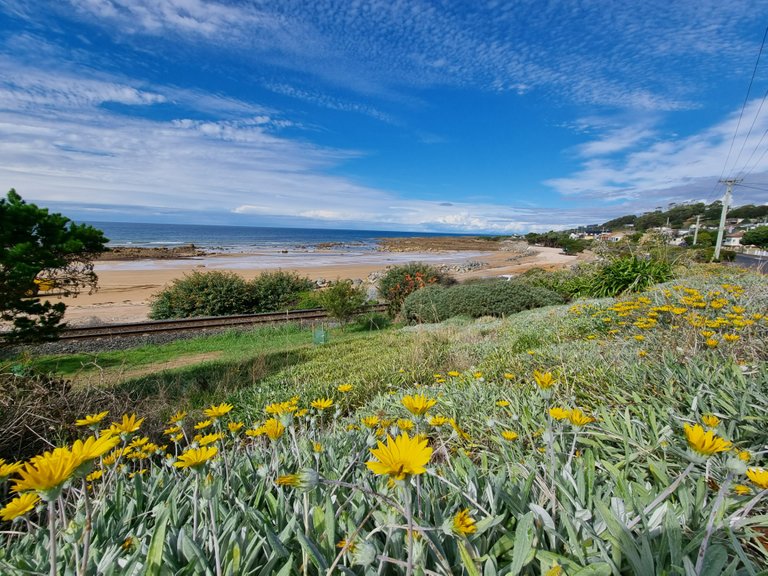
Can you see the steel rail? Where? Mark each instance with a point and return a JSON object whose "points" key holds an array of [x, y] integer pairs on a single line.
{"points": [[200, 323]]}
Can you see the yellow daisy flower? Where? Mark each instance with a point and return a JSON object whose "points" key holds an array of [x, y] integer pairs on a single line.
{"points": [[344, 388], [196, 458], [559, 413], [759, 477], [509, 435], [544, 380], [322, 403], [705, 443], [578, 418], [400, 457], [19, 506], [218, 411], [463, 523], [273, 428], [418, 404], [92, 419], [710, 420]]}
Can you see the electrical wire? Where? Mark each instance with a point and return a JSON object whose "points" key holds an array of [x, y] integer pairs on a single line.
{"points": [[741, 114]]}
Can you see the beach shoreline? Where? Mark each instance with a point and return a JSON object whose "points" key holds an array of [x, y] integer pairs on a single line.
{"points": [[126, 286]]}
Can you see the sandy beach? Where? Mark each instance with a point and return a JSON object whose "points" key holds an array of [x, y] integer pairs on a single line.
{"points": [[125, 287]]}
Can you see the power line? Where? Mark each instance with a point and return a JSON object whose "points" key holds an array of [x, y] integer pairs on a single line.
{"points": [[752, 187], [749, 132], [741, 114]]}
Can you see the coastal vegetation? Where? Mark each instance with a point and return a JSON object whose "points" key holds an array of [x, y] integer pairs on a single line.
{"points": [[607, 436], [400, 281], [41, 253], [221, 293]]}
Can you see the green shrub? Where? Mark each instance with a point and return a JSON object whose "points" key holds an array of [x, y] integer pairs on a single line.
{"points": [[400, 281], [342, 300], [627, 274], [372, 321], [307, 300], [202, 294], [273, 291], [488, 298]]}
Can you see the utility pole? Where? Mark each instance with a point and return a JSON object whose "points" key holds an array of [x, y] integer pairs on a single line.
{"points": [[696, 231], [726, 204]]}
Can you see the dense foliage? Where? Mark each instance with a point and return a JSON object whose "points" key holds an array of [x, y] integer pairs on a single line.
{"points": [[626, 274], [342, 300], [278, 290], [400, 281], [557, 240], [221, 293], [203, 294], [610, 437], [757, 236], [476, 299], [41, 252]]}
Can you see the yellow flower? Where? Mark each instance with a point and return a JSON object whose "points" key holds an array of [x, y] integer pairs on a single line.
{"points": [[742, 490], [138, 442], [344, 388], [639, 337], [463, 523], [203, 424], [418, 404], [400, 457], [456, 428], [543, 379], [317, 447], [172, 430], [404, 424], [710, 420], [578, 418], [438, 420], [707, 333], [92, 419], [235, 427], [177, 437], [210, 439], [196, 458], [509, 435], [8, 468], [350, 546], [93, 447], [556, 570], [502, 403], [95, 475], [127, 425], [178, 417], [453, 373], [509, 376], [218, 411], [759, 477], [19, 506], [559, 413], [47, 473], [371, 421], [730, 337], [273, 428], [291, 480], [322, 403], [711, 343], [705, 443], [253, 432], [744, 455], [477, 375], [280, 408]]}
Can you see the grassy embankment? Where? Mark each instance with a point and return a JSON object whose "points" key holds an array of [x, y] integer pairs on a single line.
{"points": [[629, 492]]}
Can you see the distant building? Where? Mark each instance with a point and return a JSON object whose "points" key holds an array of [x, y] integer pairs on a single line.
{"points": [[733, 240]]}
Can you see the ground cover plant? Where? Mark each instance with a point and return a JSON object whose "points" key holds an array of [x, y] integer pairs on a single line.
{"points": [[606, 437]]}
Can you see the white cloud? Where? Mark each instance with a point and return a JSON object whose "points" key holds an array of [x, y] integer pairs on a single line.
{"points": [[672, 169]]}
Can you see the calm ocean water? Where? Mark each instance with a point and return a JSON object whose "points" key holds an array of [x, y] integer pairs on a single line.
{"points": [[240, 238]]}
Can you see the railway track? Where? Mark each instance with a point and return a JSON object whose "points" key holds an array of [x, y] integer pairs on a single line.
{"points": [[202, 323]]}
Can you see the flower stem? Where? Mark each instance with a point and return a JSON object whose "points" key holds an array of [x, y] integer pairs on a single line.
{"points": [[215, 538], [52, 536], [88, 527], [409, 520], [711, 522]]}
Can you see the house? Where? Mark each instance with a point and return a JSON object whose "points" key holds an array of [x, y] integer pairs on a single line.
{"points": [[733, 240]]}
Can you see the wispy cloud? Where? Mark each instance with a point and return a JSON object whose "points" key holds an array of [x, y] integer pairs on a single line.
{"points": [[636, 56], [672, 168]]}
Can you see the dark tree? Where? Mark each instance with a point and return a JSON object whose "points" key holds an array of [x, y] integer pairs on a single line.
{"points": [[41, 253], [757, 236]]}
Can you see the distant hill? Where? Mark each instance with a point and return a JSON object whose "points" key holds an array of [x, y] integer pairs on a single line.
{"points": [[680, 215]]}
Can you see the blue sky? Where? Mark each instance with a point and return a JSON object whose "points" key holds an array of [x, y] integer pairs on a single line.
{"points": [[482, 116]]}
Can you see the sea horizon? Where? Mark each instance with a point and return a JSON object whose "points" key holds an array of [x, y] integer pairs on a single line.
{"points": [[229, 239]]}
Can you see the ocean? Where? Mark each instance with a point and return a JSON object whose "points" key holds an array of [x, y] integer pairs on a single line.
{"points": [[261, 248], [235, 239]]}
